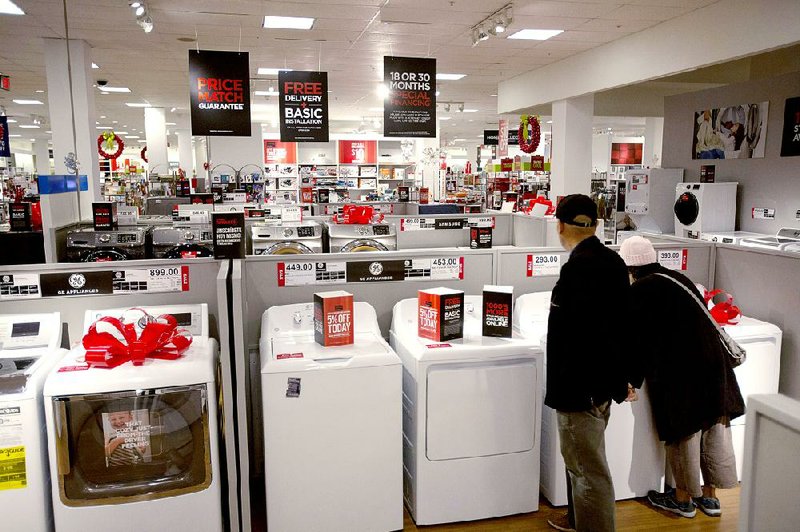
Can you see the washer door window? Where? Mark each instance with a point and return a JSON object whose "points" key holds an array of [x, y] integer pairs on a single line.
{"points": [[105, 255], [687, 208], [132, 446], [363, 244], [286, 248], [189, 251]]}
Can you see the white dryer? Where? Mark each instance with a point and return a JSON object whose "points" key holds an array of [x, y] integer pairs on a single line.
{"points": [[783, 241], [760, 372], [729, 237], [636, 457], [136, 447], [704, 207], [471, 420], [354, 238], [30, 344], [332, 425]]}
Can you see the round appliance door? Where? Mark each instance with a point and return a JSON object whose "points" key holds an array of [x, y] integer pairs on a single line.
{"points": [[105, 255], [287, 248], [364, 244], [687, 208], [188, 251]]}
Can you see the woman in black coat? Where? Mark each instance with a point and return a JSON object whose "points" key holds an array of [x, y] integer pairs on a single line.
{"points": [[692, 388]]}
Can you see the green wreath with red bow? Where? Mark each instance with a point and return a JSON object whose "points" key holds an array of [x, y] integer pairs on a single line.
{"points": [[530, 133], [109, 141]]}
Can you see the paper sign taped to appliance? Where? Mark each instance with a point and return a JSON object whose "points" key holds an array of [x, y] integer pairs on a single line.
{"points": [[152, 280], [19, 286], [293, 387], [292, 213], [543, 264], [12, 453], [674, 259]]}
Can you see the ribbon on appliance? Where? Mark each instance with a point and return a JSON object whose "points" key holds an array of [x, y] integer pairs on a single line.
{"points": [[541, 200], [159, 338], [358, 214], [725, 312]]}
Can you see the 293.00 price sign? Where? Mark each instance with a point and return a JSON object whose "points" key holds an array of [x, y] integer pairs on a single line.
{"points": [[543, 264]]}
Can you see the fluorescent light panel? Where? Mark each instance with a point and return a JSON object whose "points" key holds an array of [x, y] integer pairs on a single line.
{"points": [[265, 93], [288, 23], [7, 7], [135, 104], [263, 71], [113, 89], [29, 126], [14, 136], [27, 102], [469, 111], [535, 35], [95, 66], [449, 77]]}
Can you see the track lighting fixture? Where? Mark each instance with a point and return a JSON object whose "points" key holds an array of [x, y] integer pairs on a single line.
{"points": [[142, 14], [447, 108], [494, 24]]}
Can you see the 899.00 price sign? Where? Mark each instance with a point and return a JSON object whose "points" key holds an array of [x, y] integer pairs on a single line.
{"points": [[166, 279]]}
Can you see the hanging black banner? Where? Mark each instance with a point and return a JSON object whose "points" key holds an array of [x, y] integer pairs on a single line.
{"points": [[490, 137], [303, 106], [790, 143], [219, 93], [410, 108]]}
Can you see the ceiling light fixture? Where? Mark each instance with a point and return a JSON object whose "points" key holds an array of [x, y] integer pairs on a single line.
{"points": [[27, 102], [270, 92], [449, 77], [535, 35], [95, 66], [263, 71], [447, 108], [461, 108], [40, 91], [114, 89], [142, 14], [136, 104], [168, 124], [383, 91], [15, 136], [7, 7], [288, 23], [29, 126], [494, 24]]}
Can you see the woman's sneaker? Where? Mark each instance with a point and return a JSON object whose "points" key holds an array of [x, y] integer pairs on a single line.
{"points": [[708, 505], [667, 501]]}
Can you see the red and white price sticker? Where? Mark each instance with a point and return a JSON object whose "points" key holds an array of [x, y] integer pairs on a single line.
{"points": [[483, 221], [674, 259], [303, 273], [543, 264], [284, 356], [437, 346], [438, 269], [151, 280]]}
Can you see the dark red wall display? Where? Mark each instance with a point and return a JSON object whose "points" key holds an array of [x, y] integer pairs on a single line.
{"points": [[219, 93], [626, 153], [410, 108], [277, 152], [303, 106]]}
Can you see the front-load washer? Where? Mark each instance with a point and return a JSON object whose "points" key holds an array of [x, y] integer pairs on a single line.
{"points": [[471, 420], [729, 237], [704, 207], [760, 372], [30, 344], [352, 238], [636, 458], [186, 242], [332, 425], [785, 238], [136, 447], [88, 245], [287, 238]]}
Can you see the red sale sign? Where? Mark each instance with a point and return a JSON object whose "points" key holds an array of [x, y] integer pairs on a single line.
{"points": [[358, 152]]}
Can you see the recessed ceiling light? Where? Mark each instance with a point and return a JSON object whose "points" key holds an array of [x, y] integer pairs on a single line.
{"points": [[438, 93], [549, 121], [114, 89], [263, 71], [288, 23], [48, 132], [383, 91], [449, 77], [136, 104], [27, 102], [103, 117], [29, 126], [168, 124], [7, 7], [33, 140], [460, 140], [469, 111], [40, 91], [95, 66], [11, 121], [265, 93], [15, 136], [114, 122], [493, 95], [121, 132], [376, 109], [445, 117], [133, 136], [102, 127], [535, 35]]}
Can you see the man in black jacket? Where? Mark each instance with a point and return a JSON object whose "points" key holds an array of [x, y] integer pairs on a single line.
{"points": [[584, 362]]}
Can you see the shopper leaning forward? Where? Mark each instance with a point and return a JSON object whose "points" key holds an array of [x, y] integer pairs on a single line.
{"points": [[692, 388], [585, 368]]}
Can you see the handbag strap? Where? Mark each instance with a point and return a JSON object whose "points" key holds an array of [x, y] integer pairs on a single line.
{"points": [[694, 297]]}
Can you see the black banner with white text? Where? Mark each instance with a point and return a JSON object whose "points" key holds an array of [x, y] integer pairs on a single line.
{"points": [[410, 107], [303, 106], [219, 93]]}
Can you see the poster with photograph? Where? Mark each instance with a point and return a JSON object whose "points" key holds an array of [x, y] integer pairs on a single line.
{"points": [[126, 436], [410, 107], [734, 132]]}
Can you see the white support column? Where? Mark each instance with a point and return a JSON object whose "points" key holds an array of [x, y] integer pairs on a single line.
{"points": [[185, 155], [200, 159], [155, 128], [653, 139], [571, 168], [83, 136], [42, 153]]}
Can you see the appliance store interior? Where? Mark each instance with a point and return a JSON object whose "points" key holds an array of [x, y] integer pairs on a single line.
{"points": [[296, 265]]}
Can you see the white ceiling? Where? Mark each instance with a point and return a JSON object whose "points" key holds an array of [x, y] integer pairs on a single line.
{"points": [[349, 40]]}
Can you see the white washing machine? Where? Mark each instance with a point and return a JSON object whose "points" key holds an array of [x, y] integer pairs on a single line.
{"points": [[136, 447], [783, 241], [704, 207], [287, 238], [471, 420], [351, 238], [729, 237], [636, 457], [760, 372], [332, 425], [30, 344]]}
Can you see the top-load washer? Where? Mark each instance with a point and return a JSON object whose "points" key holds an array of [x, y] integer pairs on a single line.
{"points": [[136, 447], [353, 238], [471, 420], [88, 245], [287, 238], [785, 238], [332, 425], [704, 207], [636, 458], [30, 344], [186, 242], [729, 237]]}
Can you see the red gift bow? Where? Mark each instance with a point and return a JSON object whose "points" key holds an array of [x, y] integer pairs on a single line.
{"points": [[358, 214], [543, 201], [724, 313], [161, 338]]}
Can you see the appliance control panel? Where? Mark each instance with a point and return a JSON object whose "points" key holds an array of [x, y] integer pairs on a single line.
{"points": [[193, 318], [30, 331]]}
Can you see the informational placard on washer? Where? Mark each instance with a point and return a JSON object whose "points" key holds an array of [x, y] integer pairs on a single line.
{"points": [[12, 452], [152, 280], [763, 213], [543, 264], [292, 213], [432, 224], [19, 286], [674, 259], [304, 273]]}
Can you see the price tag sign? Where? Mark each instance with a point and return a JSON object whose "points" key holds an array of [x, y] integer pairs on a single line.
{"points": [[543, 264], [437, 269], [417, 224], [152, 280], [311, 273], [292, 213], [763, 214], [483, 221], [673, 259], [19, 286]]}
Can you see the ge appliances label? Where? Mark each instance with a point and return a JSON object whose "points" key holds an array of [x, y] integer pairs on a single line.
{"points": [[543, 264]]}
